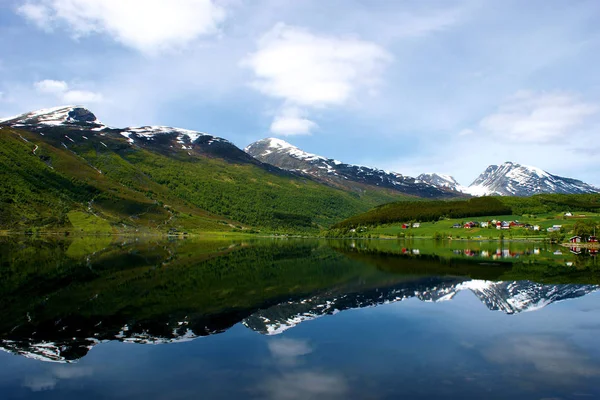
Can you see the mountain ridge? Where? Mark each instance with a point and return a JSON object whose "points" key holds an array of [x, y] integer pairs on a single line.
{"points": [[153, 177], [284, 155]]}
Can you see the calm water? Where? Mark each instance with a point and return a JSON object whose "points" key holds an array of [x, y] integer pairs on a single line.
{"points": [[99, 318]]}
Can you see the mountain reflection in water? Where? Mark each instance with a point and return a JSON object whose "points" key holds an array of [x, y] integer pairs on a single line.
{"points": [[63, 298]]}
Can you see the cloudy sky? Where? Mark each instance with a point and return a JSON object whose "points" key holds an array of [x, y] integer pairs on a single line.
{"points": [[411, 86]]}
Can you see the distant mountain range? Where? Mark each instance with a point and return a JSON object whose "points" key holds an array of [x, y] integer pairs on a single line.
{"points": [[508, 297], [508, 179], [355, 177]]}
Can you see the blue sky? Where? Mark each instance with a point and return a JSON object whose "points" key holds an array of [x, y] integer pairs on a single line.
{"points": [[411, 86]]}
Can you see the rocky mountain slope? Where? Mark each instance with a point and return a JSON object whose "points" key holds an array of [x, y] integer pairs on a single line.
{"points": [[511, 179], [442, 181], [286, 156]]}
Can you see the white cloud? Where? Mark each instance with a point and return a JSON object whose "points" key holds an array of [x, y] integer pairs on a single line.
{"points": [[288, 126], [40, 383], [551, 356], [538, 117], [81, 97], [38, 14], [289, 348], [290, 121], [60, 90], [466, 132], [306, 385], [150, 26], [49, 379], [51, 86], [414, 25], [306, 70]]}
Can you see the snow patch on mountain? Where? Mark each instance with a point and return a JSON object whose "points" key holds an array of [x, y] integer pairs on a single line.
{"points": [[55, 116], [150, 132]]}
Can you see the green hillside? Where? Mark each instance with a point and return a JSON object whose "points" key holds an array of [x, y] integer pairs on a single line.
{"points": [[99, 183], [437, 218]]}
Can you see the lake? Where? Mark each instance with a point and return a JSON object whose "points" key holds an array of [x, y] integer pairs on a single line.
{"points": [[104, 317]]}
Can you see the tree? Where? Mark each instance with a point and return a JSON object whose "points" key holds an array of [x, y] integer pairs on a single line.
{"points": [[584, 228]]}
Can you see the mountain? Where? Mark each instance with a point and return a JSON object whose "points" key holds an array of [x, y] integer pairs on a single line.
{"points": [[167, 140], [511, 179], [336, 173], [442, 181], [62, 168]]}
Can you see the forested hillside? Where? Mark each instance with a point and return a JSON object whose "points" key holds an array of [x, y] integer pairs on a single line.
{"points": [[424, 211], [79, 179]]}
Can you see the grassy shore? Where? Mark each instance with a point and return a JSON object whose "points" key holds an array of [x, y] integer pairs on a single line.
{"points": [[444, 227]]}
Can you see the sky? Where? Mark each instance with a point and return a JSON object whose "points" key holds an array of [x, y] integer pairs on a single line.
{"points": [[447, 86]]}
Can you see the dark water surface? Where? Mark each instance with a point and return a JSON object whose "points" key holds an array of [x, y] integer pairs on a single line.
{"points": [[100, 318]]}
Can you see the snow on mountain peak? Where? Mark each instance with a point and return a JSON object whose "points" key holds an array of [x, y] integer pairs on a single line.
{"points": [[512, 179], [279, 145], [54, 116], [441, 181], [149, 132]]}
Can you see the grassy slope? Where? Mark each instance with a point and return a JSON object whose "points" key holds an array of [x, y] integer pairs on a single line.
{"points": [[134, 189], [542, 210], [52, 188], [429, 229]]}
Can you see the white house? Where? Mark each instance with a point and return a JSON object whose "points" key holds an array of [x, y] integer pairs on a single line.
{"points": [[484, 224], [536, 227], [416, 225], [568, 214]]}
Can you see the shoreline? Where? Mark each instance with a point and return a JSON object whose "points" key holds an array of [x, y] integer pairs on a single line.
{"points": [[582, 245]]}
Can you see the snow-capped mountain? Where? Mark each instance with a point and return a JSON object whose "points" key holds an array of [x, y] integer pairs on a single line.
{"points": [[442, 181], [72, 125], [511, 179], [286, 156], [508, 297], [56, 116]]}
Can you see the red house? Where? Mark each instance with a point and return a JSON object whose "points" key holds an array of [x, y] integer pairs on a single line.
{"points": [[405, 226], [593, 239], [575, 239]]}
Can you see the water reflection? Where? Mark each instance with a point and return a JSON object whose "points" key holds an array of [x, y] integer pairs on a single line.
{"points": [[62, 301], [435, 337]]}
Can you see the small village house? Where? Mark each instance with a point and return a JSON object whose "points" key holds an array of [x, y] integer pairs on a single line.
{"points": [[554, 228], [484, 224], [536, 227], [593, 239], [568, 214], [575, 239], [416, 225]]}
